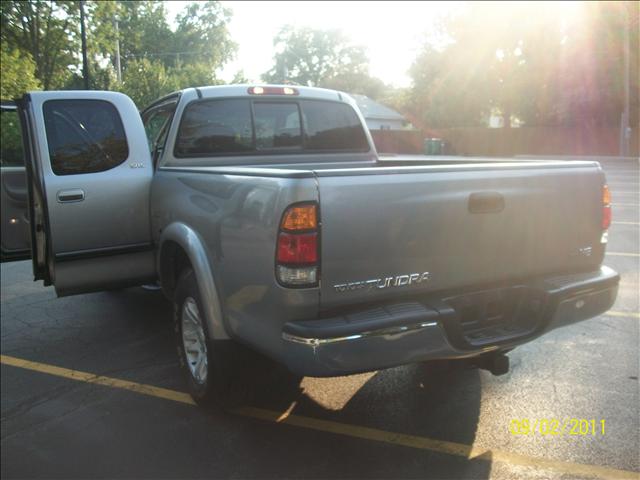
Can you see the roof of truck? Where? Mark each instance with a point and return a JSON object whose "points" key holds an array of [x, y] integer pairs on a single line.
{"points": [[244, 89]]}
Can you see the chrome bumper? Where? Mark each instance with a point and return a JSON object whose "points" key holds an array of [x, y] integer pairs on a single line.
{"points": [[430, 329]]}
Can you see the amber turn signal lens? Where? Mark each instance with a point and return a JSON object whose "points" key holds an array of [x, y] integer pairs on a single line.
{"points": [[301, 217], [606, 195]]}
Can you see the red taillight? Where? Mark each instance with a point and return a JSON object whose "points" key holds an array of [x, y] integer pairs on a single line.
{"points": [[606, 207], [299, 249], [606, 217], [297, 253]]}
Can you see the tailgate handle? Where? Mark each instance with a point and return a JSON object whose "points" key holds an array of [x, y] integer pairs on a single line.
{"points": [[486, 202]]}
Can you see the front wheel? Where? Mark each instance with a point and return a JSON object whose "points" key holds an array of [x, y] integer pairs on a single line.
{"points": [[213, 369]]}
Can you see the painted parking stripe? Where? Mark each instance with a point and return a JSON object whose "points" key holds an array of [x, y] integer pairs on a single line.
{"points": [[622, 254], [625, 223], [355, 431], [98, 379]]}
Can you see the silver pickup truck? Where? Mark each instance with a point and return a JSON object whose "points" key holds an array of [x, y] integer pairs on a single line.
{"points": [[271, 223]]}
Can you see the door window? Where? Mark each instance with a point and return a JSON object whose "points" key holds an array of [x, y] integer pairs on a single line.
{"points": [[156, 123], [84, 136]]}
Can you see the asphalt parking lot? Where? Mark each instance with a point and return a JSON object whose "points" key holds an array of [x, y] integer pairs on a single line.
{"points": [[60, 420]]}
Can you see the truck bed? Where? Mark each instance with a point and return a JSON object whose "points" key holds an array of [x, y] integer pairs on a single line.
{"points": [[463, 221]]}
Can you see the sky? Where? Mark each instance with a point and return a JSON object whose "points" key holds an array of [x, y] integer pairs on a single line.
{"points": [[392, 32]]}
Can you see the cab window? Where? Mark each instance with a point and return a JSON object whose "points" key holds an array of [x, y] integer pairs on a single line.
{"points": [[84, 136], [331, 126], [215, 127], [277, 126]]}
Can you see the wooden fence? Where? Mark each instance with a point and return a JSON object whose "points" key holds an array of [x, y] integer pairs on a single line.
{"points": [[500, 142]]}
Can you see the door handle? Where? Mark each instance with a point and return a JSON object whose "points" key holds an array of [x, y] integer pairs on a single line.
{"points": [[69, 196]]}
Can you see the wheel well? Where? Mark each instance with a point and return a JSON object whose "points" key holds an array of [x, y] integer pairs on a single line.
{"points": [[173, 260]]}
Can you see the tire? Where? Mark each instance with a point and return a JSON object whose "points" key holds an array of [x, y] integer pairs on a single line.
{"points": [[215, 371]]}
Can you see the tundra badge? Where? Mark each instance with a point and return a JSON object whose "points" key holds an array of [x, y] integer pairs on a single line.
{"points": [[387, 282]]}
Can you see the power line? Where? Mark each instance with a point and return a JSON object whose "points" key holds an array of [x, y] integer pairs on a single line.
{"points": [[167, 54]]}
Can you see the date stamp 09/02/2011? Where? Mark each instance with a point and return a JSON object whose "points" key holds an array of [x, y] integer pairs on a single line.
{"points": [[557, 427]]}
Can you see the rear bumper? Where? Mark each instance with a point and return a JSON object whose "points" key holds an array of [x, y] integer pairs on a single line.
{"points": [[443, 327]]}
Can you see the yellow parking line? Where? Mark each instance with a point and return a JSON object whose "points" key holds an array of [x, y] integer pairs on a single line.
{"points": [[440, 446], [349, 430], [99, 379], [613, 313], [623, 254]]}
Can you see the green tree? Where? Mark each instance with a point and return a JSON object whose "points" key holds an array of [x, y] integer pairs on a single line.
{"points": [[146, 80], [48, 31], [102, 37], [526, 61], [357, 82], [239, 78], [186, 57], [17, 76], [313, 57], [202, 37], [17, 73], [143, 31], [589, 78]]}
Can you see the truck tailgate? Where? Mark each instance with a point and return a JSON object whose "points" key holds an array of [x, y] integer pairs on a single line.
{"points": [[388, 232]]}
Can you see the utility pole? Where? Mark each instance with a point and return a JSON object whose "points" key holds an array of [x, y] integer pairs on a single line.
{"points": [[627, 86], [118, 66], [625, 129], [83, 34]]}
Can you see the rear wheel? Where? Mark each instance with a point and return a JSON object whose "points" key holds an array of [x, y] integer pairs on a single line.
{"points": [[215, 370]]}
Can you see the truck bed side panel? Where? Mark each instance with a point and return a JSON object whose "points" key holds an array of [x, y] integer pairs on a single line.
{"points": [[237, 218]]}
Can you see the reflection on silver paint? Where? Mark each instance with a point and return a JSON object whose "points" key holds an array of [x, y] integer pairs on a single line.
{"points": [[236, 219]]}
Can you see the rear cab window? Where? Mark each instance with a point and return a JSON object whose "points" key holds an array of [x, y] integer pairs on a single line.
{"points": [[223, 127], [332, 126], [215, 127], [277, 126]]}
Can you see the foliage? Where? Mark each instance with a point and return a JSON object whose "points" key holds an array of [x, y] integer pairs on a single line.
{"points": [[239, 78], [202, 36], [154, 59], [18, 73], [48, 31], [523, 60], [588, 84], [357, 82], [143, 32], [146, 80], [520, 60], [314, 57]]}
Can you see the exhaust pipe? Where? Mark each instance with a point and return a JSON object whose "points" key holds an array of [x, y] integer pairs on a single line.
{"points": [[496, 363]]}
